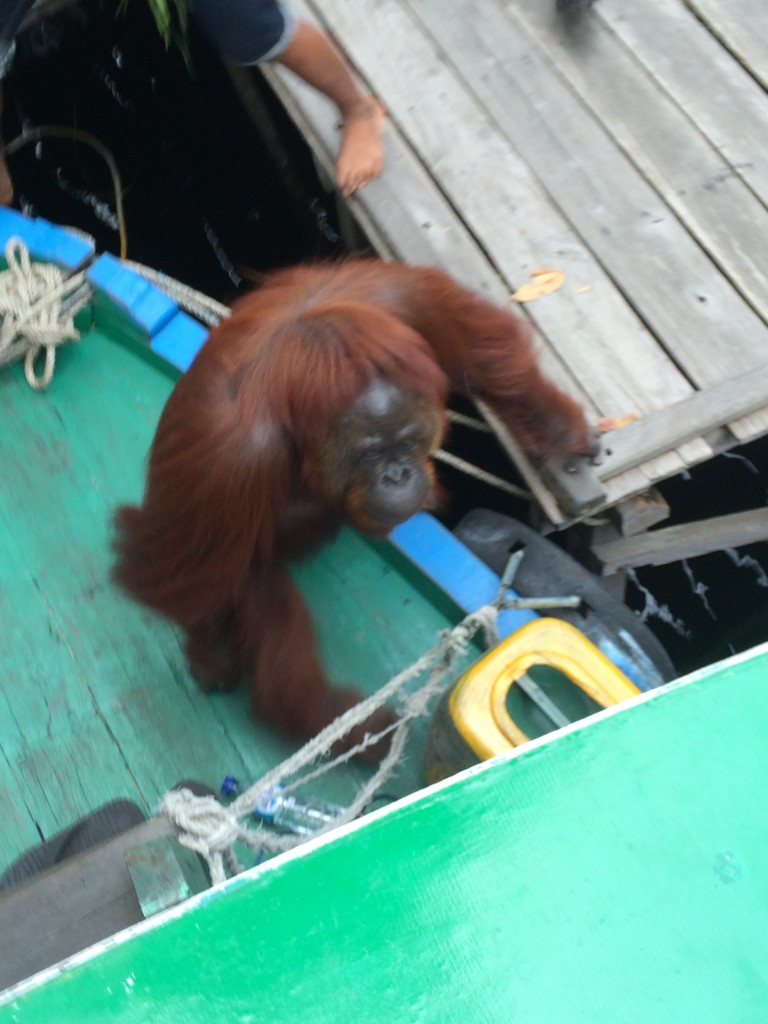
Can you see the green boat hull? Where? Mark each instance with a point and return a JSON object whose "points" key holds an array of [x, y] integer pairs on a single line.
{"points": [[616, 872]]}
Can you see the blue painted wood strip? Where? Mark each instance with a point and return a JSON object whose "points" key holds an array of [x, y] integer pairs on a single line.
{"points": [[147, 306], [454, 568], [471, 584], [46, 242], [179, 341]]}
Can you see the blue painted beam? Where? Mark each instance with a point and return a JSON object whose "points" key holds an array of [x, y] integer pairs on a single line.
{"points": [[146, 305], [454, 568], [179, 341], [171, 333], [45, 242]]}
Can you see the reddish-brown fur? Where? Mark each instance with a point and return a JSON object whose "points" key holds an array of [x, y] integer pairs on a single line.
{"points": [[234, 486]]}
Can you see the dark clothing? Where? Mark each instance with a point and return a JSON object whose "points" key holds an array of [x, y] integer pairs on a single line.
{"points": [[12, 14], [244, 31]]}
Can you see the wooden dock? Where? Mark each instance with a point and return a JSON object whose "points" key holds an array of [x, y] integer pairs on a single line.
{"points": [[626, 146]]}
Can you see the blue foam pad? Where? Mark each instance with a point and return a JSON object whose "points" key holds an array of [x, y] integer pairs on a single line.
{"points": [[179, 341], [46, 242], [147, 306], [454, 568]]}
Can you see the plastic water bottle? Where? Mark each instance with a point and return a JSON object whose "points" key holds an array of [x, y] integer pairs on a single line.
{"points": [[291, 813]]}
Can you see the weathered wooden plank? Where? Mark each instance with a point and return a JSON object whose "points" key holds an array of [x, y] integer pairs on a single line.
{"points": [[698, 183], [718, 94], [626, 485], [640, 479], [750, 428], [662, 466], [673, 543], [651, 471], [70, 907], [401, 211], [503, 204], [689, 306], [17, 816], [695, 451], [742, 25], [640, 513], [698, 415]]}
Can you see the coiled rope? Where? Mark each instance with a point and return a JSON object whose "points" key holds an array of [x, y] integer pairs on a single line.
{"points": [[38, 305]]}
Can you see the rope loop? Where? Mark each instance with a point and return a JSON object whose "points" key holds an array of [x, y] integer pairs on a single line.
{"points": [[211, 828], [38, 305]]}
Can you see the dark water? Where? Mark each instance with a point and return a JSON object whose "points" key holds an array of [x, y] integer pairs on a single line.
{"points": [[206, 200], [203, 196], [718, 602]]}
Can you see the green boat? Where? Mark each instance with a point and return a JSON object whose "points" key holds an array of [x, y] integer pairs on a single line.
{"points": [[614, 869], [96, 700]]}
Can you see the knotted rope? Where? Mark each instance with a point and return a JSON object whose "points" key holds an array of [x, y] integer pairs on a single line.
{"points": [[38, 305], [211, 829]]}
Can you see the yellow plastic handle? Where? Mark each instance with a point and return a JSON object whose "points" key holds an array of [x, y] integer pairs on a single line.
{"points": [[478, 702]]}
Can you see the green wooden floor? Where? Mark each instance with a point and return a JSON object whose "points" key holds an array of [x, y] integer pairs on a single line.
{"points": [[95, 703]]}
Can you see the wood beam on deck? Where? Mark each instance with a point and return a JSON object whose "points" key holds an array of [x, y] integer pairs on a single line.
{"points": [[696, 416], [673, 543]]}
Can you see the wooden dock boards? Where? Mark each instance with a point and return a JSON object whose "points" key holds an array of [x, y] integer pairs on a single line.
{"points": [[742, 26], [627, 148]]}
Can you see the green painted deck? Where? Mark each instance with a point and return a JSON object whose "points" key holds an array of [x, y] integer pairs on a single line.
{"points": [[617, 872], [95, 702]]}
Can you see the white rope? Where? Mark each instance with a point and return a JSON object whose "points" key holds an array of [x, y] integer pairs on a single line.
{"points": [[469, 469], [207, 310], [211, 829], [38, 306]]}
